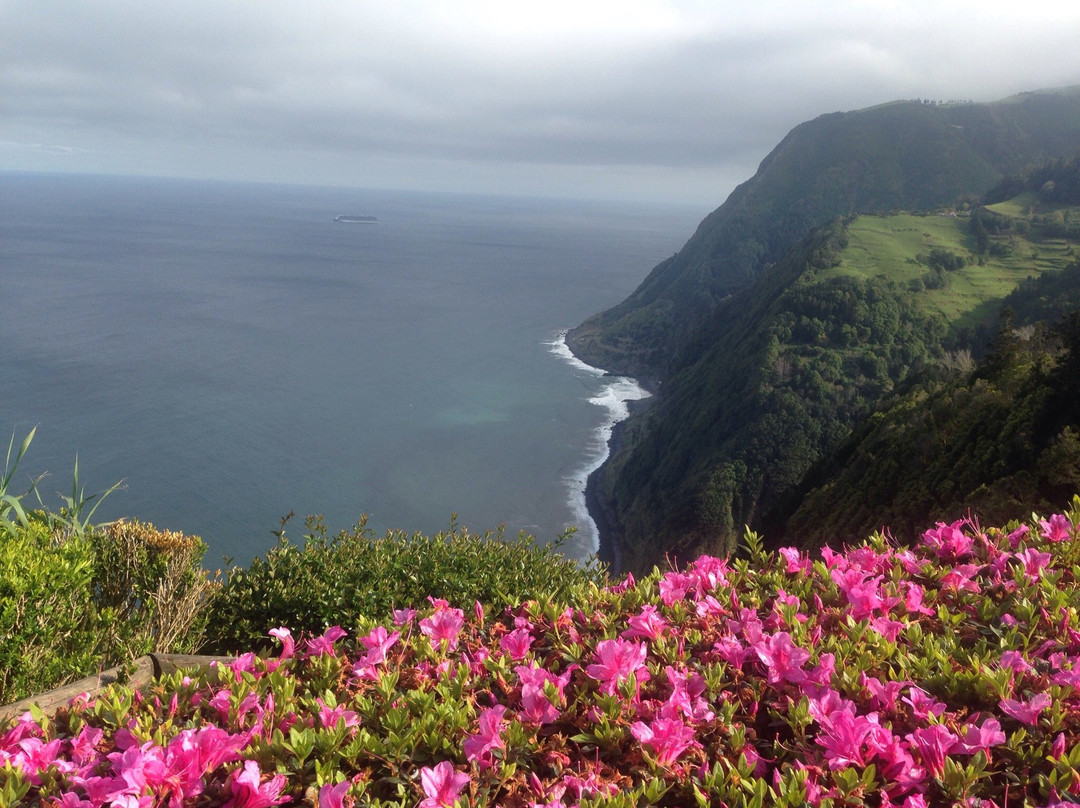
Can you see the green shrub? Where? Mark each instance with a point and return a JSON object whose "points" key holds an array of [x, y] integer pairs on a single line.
{"points": [[73, 605], [154, 582], [337, 580], [50, 629]]}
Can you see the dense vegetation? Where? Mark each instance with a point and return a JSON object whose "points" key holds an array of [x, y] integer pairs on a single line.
{"points": [[774, 371], [1001, 438], [76, 598], [945, 673]]}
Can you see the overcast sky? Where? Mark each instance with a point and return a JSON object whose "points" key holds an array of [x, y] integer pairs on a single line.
{"points": [[621, 100]]}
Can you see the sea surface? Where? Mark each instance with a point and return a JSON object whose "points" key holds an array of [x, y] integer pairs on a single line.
{"points": [[233, 354]]}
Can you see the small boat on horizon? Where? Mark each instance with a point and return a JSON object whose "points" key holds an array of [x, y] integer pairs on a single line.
{"points": [[347, 219]]}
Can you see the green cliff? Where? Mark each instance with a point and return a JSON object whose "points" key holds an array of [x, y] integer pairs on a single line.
{"points": [[786, 321]]}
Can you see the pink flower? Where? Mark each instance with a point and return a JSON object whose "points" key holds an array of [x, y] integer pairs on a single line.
{"points": [[933, 745], [288, 646], [1056, 528], [649, 624], [783, 659], [627, 584], [536, 706], [378, 642], [730, 650], [686, 699], [844, 737], [923, 704], [249, 792], [1018, 535], [324, 645], [960, 578], [330, 716], [674, 586], [403, 616], [883, 694], [444, 624], [1034, 562], [1014, 660], [617, 659], [333, 796], [479, 747], [981, 738], [949, 541], [1026, 712], [914, 600], [796, 563], [516, 644], [669, 738], [442, 785]]}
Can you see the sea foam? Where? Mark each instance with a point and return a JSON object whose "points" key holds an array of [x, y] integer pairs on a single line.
{"points": [[613, 395]]}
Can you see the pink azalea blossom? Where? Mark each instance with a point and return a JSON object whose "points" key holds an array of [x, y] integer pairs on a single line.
{"points": [[404, 616], [378, 643], [1034, 562], [536, 707], [922, 704], [331, 796], [883, 694], [616, 661], [949, 542], [669, 738], [649, 623], [442, 785], [783, 659], [796, 563], [1018, 535], [1057, 528], [324, 645], [1015, 661], [933, 744], [961, 578], [1026, 712], [729, 649], [516, 644], [674, 586], [445, 624], [330, 716], [913, 601], [248, 790], [288, 645], [480, 746], [981, 738]]}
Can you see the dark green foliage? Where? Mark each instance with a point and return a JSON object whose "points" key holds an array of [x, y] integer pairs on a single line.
{"points": [[788, 370], [341, 579], [1002, 441]]}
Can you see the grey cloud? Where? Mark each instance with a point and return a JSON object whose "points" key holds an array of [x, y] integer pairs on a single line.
{"points": [[203, 88]]}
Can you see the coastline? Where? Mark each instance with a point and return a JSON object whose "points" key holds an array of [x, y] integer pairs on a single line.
{"points": [[622, 396]]}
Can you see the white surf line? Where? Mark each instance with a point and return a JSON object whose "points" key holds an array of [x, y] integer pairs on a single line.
{"points": [[617, 391]]}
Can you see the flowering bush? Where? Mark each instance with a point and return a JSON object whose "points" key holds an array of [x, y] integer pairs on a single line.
{"points": [[947, 673]]}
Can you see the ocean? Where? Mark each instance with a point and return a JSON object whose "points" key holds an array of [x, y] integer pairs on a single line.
{"points": [[233, 354]]}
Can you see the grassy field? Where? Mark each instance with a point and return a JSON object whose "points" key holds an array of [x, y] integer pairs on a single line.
{"points": [[897, 246]]}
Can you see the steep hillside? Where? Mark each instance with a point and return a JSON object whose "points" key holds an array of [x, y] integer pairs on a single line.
{"points": [[787, 368], [904, 155]]}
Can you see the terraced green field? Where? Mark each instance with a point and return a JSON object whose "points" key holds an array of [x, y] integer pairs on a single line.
{"points": [[897, 247]]}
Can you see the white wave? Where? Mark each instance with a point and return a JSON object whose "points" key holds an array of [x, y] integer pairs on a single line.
{"points": [[614, 395]]}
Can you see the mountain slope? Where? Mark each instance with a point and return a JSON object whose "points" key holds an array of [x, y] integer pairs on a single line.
{"points": [[786, 369], [904, 155]]}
